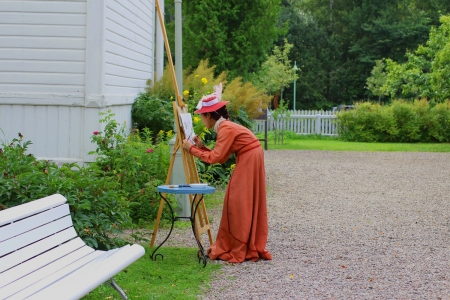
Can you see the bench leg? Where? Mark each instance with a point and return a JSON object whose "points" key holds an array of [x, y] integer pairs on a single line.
{"points": [[112, 283]]}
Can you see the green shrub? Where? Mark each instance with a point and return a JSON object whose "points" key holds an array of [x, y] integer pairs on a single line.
{"points": [[151, 112], [137, 163], [439, 123], [98, 208], [401, 121]]}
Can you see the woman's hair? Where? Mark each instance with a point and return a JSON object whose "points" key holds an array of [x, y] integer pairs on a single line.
{"points": [[221, 112]]}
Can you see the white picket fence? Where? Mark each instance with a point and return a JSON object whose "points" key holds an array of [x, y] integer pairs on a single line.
{"points": [[301, 122]]}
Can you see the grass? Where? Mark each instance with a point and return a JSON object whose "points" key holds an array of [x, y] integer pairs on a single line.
{"points": [[177, 276], [334, 144]]}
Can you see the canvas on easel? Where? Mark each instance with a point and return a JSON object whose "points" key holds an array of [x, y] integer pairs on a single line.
{"points": [[188, 128], [181, 114]]}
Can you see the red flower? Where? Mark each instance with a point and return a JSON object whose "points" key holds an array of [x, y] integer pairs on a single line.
{"points": [[95, 132], [150, 150]]}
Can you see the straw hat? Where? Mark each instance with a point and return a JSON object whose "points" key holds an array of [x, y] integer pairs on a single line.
{"points": [[211, 102]]}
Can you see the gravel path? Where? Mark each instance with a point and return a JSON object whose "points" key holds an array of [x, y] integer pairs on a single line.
{"points": [[349, 225]]}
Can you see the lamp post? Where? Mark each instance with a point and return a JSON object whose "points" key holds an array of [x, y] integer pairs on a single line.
{"points": [[295, 81]]}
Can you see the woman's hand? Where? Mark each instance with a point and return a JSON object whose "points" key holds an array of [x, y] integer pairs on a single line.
{"points": [[186, 144], [198, 142]]}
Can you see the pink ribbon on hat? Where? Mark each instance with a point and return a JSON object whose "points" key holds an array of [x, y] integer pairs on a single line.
{"points": [[211, 99]]}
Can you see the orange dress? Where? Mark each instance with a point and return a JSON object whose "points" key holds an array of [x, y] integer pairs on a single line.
{"points": [[243, 228]]}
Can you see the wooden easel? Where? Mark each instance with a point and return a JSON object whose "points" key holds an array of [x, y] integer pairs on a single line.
{"points": [[190, 169]]}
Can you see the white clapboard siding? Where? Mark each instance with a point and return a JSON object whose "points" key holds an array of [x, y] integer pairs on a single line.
{"points": [[301, 122], [128, 45], [43, 30], [73, 43], [42, 46], [64, 61], [54, 128], [41, 6], [129, 62]]}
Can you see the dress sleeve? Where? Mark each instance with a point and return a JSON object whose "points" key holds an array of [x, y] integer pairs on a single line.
{"points": [[221, 151]]}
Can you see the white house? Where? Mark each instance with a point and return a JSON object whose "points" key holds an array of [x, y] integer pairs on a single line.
{"points": [[62, 62]]}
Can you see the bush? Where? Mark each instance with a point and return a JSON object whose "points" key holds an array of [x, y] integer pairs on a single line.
{"points": [[439, 127], [105, 196], [136, 164], [151, 112], [98, 208], [402, 121]]}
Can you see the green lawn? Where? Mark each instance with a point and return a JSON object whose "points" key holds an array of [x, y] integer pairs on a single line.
{"points": [[178, 276], [334, 144]]}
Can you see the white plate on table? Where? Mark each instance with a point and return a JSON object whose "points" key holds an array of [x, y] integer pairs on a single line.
{"points": [[199, 185]]}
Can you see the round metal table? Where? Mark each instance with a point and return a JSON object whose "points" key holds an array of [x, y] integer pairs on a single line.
{"points": [[184, 189]]}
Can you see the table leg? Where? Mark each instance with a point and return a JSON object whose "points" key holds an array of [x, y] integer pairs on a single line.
{"points": [[153, 256], [201, 252]]}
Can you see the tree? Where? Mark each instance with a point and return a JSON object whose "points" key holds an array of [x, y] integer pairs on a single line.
{"points": [[363, 31], [377, 79], [234, 35], [426, 73], [316, 53], [276, 72]]}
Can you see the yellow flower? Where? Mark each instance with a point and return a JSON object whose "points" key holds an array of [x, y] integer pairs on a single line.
{"points": [[232, 167], [204, 80], [196, 119], [186, 93]]}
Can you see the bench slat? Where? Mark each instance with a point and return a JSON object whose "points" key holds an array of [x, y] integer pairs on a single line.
{"points": [[44, 272], [26, 253], [40, 261], [42, 257], [93, 274], [27, 224], [32, 236], [49, 280], [25, 210]]}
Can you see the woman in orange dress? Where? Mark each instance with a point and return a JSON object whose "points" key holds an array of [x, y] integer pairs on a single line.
{"points": [[243, 228]]}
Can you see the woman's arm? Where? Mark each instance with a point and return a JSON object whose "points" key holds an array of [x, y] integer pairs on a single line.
{"points": [[221, 151]]}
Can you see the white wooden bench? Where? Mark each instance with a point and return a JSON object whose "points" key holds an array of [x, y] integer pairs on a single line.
{"points": [[41, 256]]}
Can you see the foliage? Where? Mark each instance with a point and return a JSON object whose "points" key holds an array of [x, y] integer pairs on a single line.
{"points": [[151, 112], [136, 163], [216, 174], [234, 35], [377, 79], [198, 82], [276, 72], [400, 121], [98, 209], [426, 72], [337, 43], [315, 52]]}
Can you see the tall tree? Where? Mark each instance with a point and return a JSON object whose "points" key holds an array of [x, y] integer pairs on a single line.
{"points": [[276, 72], [364, 31], [315, 53], [234, 35]]}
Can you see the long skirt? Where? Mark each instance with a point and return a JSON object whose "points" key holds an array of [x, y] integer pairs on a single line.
{"points": [[243, 229]]}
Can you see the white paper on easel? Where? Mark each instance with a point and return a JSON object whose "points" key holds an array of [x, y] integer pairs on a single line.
{"points": [[186, 122]]}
